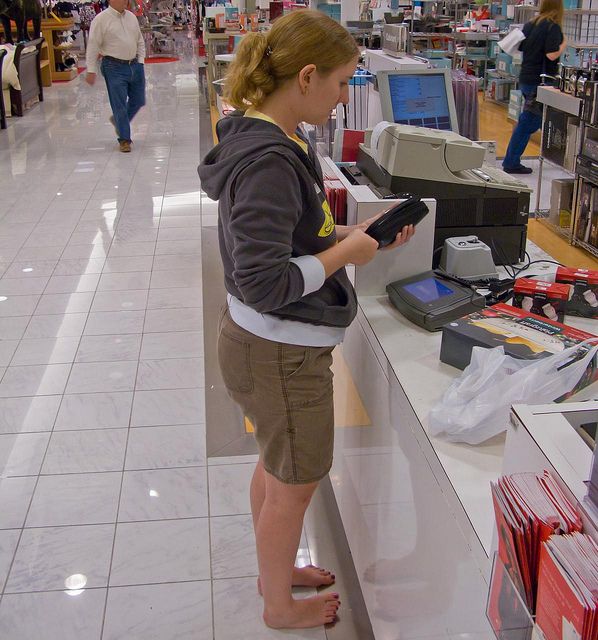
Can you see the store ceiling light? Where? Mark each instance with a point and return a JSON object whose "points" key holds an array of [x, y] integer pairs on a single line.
{"points": [[75, 584]]}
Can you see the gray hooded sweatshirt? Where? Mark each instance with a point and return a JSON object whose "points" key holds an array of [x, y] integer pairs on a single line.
{"points": [[272, 207]]}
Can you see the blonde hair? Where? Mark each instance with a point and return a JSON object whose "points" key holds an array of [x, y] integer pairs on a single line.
{"points": [[265, 61], [551, 10]]}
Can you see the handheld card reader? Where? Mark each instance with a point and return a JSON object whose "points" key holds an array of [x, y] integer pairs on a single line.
{"points": [[385, 228], [431, 301]]}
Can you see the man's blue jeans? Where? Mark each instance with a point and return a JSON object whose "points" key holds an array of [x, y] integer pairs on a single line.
{"points": [[530, 121], [126, 91]]}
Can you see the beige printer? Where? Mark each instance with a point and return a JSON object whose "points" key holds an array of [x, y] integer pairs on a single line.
{"points": [[472, 198]]}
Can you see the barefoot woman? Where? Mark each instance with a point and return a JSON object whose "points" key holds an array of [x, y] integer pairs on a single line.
{"points": [[289, 298]]}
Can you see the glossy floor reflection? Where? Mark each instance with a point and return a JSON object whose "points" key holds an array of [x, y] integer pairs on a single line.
{"points": [[112, 525]]}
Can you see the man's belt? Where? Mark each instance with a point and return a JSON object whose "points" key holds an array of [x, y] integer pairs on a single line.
{"points": [[119, 60]]}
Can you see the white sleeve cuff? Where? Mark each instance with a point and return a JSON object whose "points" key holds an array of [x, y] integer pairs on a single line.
{"points": [[312, 271]]}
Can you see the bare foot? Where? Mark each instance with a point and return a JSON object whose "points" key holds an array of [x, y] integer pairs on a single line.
{"points": [[304, 614], [309, 576]]}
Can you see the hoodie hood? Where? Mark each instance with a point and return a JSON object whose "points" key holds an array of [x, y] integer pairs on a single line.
{"points": [[241, 141]]}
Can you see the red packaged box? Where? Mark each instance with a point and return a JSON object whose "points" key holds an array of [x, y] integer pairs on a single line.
{"points": [[542, 298], [583, 300]]}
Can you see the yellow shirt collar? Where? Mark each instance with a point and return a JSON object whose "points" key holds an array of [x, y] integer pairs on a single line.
{"points": [[254, 113]]}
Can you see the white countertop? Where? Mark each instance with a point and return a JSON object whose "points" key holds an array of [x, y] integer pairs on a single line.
{"points": [[413, 354]]}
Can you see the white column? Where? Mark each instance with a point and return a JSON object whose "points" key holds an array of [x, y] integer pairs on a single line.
{"points": [[349, 10]]}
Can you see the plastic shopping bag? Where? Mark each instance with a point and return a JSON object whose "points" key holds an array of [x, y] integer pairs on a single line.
{"points": [[510, 43], [476, 406]]}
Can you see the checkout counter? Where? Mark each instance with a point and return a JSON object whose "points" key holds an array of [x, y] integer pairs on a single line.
{"points": [[417, 510]]}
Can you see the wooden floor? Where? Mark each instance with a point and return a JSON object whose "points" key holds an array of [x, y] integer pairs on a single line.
{"points": [[495, 126], [556, 246]]}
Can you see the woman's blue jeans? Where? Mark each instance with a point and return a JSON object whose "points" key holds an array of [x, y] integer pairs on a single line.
{"points": [[126, 92], [529, 122]]}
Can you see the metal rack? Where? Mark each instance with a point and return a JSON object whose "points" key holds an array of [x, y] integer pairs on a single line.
{"points": [[552, 97], [580, 182]]}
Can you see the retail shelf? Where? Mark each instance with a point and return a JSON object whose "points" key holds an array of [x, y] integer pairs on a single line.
{"points": [[498, 78], [584, 245], [473, 56], [564, 232], [70, 74], [503, 103], [552, 97], [476, 35], [438, 53], [583, 45], [432, 34]]}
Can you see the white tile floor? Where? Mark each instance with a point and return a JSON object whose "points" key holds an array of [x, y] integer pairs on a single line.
{"points": [[112, 525]]}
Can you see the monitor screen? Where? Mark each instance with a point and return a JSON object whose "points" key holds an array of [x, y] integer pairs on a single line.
{"points": [[428, 290], [420, 100]]}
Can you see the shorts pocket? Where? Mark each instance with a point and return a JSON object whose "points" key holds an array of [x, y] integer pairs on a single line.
{"points": [[307, 381], [295, 359], [234, 358]]}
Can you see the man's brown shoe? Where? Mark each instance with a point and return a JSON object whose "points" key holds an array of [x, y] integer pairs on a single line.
{"points": [[125, 146]]}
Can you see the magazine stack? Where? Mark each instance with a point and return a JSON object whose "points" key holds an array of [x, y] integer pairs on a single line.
{"points": [[568, 588], [532, 512]]}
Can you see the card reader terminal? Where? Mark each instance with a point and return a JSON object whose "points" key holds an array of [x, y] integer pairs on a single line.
{"points": [[431, 301], [385, 228]]}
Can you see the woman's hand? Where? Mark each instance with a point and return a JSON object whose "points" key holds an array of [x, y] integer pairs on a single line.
{"points": [[403, 236], [358, 247]]}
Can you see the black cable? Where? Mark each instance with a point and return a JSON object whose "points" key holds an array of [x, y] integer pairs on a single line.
{"points": [[527, 266]]}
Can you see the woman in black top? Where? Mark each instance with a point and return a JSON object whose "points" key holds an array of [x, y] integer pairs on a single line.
{"points": [[543, 45]]}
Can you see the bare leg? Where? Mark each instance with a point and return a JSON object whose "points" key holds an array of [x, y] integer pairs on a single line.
{"points": [[309, 576], [257, 492], [277, 535]]}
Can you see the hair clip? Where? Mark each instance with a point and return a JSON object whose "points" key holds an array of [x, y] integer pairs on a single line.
{"points": [[268, 51]]}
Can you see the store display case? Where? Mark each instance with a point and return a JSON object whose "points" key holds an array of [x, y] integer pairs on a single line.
{"points": [[54, 31]]}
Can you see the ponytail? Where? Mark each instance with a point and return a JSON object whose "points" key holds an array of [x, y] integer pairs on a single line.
{"points": [[249, 79]]}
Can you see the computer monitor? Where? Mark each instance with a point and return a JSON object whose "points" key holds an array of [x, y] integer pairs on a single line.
{"points": [[422, 98]]}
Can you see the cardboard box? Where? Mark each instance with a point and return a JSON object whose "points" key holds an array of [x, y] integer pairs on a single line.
{"points": [[583, 299], [546, 299], [513, 112], [523, 335], [516, 98], [561, 201]]}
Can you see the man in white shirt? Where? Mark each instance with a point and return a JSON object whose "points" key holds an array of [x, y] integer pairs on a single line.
{"points": [[115, 35]]}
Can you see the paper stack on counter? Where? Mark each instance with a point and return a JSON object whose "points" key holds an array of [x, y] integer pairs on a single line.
{"points": [[568, 588], [529, 508]]}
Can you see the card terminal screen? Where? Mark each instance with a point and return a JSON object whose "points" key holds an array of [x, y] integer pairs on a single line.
{"points": [[428, 290]]}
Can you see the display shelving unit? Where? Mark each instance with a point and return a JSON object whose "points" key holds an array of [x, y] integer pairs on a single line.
{"points": [[552, 97], [580, 183], [52, 31], [478, 49]]}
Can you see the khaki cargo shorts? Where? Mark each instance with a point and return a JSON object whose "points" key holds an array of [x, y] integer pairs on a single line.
{"points": [[286, 392]]}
